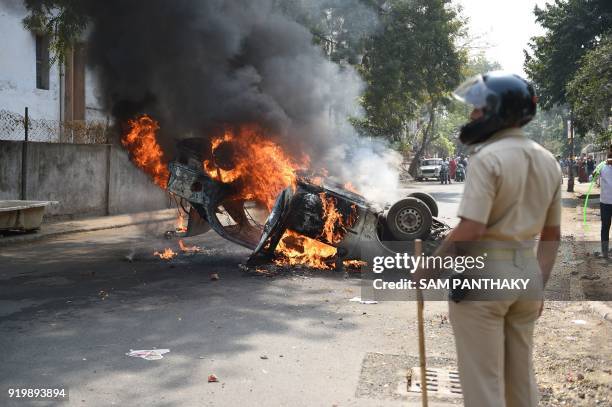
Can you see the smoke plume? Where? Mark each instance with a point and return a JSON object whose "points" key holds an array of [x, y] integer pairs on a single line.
{"points": [[197, 65]]}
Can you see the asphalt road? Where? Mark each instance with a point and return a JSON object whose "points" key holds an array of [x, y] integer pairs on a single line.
{"points": [[73, 306]]}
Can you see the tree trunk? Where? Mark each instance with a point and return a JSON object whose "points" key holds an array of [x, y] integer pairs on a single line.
{"points": [[414, 164]]}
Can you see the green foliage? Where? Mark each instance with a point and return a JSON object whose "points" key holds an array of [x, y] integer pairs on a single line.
{"points": [[479, 64], [444, 146], [62, 21], [549, 129], [590, 93], [573, 27], [340, 27], [411, 62]]}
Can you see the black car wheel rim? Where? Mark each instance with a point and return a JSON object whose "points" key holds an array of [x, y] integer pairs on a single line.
{"points": [[408, 220]]}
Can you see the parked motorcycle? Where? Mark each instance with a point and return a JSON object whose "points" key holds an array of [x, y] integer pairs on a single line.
{"points": [[460, 173]]}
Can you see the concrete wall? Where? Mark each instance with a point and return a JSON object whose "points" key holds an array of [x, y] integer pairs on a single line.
{"points": [[131, 190], [10, 170], [86, 179]]}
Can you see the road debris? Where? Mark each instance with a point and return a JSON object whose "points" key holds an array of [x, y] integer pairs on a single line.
{"points": [[359, 300], [212, 378], [214, 276], [148, 354]]}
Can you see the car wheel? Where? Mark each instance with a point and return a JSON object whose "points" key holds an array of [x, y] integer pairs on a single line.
{"points": [[409, 219], [429, 200]]}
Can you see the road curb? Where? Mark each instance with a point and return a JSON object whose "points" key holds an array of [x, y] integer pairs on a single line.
{"points": [[601, 309], [5, 241]]}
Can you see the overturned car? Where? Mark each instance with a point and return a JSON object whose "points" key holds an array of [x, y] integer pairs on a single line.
{"points": [[324, 212]]}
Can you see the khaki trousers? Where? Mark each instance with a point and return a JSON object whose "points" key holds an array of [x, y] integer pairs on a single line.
{"points": [[494, 342]]}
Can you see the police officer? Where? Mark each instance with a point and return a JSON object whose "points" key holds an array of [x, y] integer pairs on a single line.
{"points": [[512, 195]]}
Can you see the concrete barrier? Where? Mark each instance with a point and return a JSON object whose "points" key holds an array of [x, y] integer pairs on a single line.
{"points": [[86, 179]]}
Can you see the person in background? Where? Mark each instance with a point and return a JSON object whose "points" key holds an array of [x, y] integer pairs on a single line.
{"points": [[582, 170], [452, 169], [590, 166], [605, 205], [561, 162]]}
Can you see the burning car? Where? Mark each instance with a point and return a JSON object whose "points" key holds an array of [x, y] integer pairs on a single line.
{"points": [[311, 221]]}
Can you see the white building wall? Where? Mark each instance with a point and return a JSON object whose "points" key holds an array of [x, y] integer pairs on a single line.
{"points": [[18, 80], [18, 71]]}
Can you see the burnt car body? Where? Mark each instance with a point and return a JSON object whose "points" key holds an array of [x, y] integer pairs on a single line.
{"points": [[299, 208]]}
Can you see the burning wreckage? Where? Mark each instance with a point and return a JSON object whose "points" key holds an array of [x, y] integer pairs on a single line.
{"points": [[247, 189], [311, 222]]}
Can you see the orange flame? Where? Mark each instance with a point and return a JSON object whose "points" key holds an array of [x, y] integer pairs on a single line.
{"points": [[180, 222], [188, 249], [335, 226], [144, 150], [261, 166], [354, 264], [167, 254], [350, 187], [294, 249]]}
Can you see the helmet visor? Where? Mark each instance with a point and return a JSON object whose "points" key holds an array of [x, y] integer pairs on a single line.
{"points": [[475, 92]]}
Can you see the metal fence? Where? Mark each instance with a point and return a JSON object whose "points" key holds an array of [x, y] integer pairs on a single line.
{"points": [[21, 126]]}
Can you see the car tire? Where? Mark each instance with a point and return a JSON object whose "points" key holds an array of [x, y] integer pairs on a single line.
{"points": [[409, 219], [429, 200]]}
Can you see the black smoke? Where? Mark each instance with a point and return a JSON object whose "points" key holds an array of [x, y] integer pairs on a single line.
{"points": [[197, 65]]}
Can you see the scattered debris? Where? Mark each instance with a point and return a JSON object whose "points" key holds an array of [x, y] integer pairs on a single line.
{"points": [[170, 234], [130, 256], [148, 354], [359, 300], [103, 294], [212, 378]]}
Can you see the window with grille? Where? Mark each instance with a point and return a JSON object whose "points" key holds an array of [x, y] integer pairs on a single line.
{"points": [[42, 62]]}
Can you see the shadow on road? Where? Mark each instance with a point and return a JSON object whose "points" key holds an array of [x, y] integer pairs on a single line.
{"points": [[70, 308]]}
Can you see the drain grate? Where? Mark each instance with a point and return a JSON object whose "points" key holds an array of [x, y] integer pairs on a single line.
{"points": [[440, 382]]}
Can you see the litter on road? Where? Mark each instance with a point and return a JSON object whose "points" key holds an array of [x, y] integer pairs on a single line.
{"points": [[148, 354], [359, 300]]}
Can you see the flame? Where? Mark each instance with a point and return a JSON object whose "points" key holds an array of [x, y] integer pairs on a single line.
{"points": [[262, 167], [294, 249], [335, 226], [144, 150], [187, 249], [180, 223], [354, 264], [350, 187], [167, 254]]}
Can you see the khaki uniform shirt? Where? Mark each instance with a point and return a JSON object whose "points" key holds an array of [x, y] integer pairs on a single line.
{"points": [[513, 186]]}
